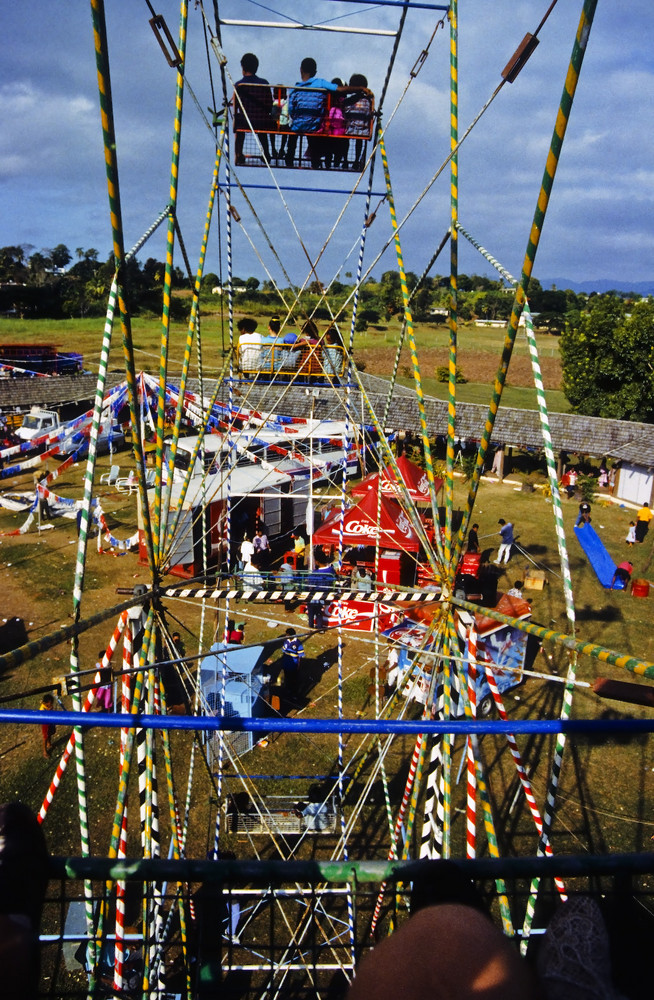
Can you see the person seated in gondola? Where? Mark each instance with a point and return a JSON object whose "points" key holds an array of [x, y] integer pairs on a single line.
{"points": [[332, 352], [334, 147], [249, 345], [307, 106], [252, 107], [357, 111]]}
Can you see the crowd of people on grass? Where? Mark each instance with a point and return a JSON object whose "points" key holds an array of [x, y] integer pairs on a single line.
{"points": [[327, 112]]}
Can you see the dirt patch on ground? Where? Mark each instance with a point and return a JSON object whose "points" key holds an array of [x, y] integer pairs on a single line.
{"points": [[477, 366]]}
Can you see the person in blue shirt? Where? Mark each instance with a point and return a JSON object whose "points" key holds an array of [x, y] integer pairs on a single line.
{"points": [[307, 106], [321, 578], [506, 534], [292, 656]]}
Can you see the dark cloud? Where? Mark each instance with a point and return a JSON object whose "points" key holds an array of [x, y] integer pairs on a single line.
{"points": [[599, 221]]}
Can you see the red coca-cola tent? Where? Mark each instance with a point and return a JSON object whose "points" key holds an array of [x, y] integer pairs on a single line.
{"points": [[413, 477], [360, 526]]}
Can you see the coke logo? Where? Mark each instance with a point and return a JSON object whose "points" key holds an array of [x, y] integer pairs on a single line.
{"points": [[351, 614], [423, 485], [360, 528], [403, 524]]}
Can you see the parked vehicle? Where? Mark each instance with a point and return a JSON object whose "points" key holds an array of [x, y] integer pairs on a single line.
{"points": [[37, 423]]}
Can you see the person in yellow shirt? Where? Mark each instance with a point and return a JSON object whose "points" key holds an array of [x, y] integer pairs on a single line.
{"points": [[643, 517], [299, 547]]}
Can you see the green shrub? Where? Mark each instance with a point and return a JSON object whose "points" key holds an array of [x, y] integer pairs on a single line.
{"points": [[443, 374]]}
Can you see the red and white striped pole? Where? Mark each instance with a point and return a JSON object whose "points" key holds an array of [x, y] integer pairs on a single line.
{"points": [[471, 786], [522, 774], [392, 853]]}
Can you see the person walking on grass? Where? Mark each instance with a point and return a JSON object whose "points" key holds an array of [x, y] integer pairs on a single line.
{"points": [[473, 539], [506, 534], [643, 517]]}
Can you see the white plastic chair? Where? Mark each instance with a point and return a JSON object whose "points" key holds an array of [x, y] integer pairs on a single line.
{"points": [[111, 477]]}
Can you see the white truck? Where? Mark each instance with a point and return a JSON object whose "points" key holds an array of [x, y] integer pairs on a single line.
{"points": [[37, 423]]}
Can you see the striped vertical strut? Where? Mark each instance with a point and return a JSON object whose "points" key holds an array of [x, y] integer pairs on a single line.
{"points": [[550, 799], [431, 841], [156, 938], [551, 470], [175, 827], [429, 467], [350, 905], [489, 824], [126, 762], [452, 311], [522, 773], [113, 189], [560, 126], [158, 525], [121, 886], [119, 950], [90, 698], [399, 822], [149, 835], [471, 784], [448, 746], [546, 433], [193, 328]]}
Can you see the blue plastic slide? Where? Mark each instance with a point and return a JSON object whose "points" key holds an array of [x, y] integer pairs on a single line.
{"points": [[598, 557]]}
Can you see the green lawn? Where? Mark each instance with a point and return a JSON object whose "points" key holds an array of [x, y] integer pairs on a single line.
{"points": [[520, 397]]}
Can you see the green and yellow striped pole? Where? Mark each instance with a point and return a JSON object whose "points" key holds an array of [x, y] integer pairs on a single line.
{"points": [[111, 164], [168, 280], [452, 310], [192, 326], [565, 106], [429, 468]]}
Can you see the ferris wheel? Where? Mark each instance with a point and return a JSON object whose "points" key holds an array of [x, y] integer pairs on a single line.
{"points": [[278, 433]]}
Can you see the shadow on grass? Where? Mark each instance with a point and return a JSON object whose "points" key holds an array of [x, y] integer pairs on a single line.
{"points": [[609, 613]]}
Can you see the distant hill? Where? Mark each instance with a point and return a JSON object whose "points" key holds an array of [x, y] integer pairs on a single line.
{"points": [[601, 285]]}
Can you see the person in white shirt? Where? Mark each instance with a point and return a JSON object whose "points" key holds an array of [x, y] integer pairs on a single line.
{"points": [[249, 345]]}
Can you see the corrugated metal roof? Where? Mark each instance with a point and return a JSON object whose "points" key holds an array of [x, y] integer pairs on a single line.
{"points": [[516, 428]]}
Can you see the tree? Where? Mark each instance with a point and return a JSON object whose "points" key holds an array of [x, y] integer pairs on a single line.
{"points": [[607, 360], [60, 255], [12, 264], [38, 265], [252, 284]]}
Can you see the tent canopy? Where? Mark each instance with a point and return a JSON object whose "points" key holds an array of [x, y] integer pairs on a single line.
{"points": [[413, 477], [360, 526]]}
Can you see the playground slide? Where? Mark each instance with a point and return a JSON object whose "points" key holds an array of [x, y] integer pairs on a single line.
{"points": [[598, 557]]}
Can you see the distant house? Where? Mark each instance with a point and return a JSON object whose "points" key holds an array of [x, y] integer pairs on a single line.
{"points": [[219, 290], [634, 480], [500, 324]]}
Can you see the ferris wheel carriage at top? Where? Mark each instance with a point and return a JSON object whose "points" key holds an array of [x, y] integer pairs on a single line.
{"points": [[302, 127], [287, 356]]}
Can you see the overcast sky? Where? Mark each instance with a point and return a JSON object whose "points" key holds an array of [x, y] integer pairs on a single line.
{"points": [[600, 222]]}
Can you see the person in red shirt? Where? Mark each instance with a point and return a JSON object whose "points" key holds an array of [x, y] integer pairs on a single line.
{"points": [[623, 572]]}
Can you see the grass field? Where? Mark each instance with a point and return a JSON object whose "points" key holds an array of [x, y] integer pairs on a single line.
{"points": [[374, 350], [605, 785]]}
